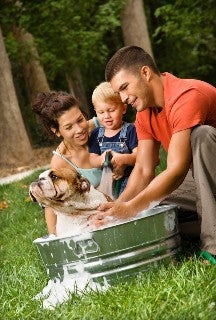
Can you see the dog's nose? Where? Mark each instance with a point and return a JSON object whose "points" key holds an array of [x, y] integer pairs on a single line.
{"points": [[41, 181]]}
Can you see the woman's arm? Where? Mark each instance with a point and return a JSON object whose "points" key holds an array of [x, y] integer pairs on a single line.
{"points": [[51, 220], [97, 160]]}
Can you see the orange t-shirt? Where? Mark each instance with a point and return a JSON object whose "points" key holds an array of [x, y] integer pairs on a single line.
{"points": [[188, 103]]}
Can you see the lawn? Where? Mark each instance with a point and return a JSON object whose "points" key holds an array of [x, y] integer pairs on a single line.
{"points": [[182, 290]]}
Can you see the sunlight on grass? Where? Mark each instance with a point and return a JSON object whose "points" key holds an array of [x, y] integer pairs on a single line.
{"points": [[184, 290]]}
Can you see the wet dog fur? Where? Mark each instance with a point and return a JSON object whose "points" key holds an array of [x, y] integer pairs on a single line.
{"points": [[71, 196]]}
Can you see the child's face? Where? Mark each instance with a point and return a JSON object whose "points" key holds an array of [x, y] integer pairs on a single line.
{"points": [[110, 114], [73, 127]]}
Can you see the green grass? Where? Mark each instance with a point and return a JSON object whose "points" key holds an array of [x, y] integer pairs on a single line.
{"points": [[163, 159], [185, 290]]}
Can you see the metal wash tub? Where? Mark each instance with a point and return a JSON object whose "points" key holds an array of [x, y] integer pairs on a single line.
{"points": [[117, 252]]}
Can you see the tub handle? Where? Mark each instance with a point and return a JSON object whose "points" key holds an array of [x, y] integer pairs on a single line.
{"points": [[83, 247]]}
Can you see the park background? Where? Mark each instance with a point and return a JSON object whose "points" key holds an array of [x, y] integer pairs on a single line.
{"points": [[65, 44]]}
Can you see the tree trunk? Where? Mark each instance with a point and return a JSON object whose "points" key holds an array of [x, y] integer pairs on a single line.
{"points": [[75, 84], [33, 71], [134, 25], [15, 148]]}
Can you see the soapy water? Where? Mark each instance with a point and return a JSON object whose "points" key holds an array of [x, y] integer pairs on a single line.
{"points": [[106, 184], [81, 282], [57, 292]]}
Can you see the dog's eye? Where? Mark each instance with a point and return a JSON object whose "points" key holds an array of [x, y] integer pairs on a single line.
{"points": [[53, 176]]}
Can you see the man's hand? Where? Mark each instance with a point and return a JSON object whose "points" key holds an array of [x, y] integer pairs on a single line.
{"points": [[111, 211]]}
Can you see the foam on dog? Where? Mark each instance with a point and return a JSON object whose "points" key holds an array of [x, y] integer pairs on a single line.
{"points": [[71, 196]]}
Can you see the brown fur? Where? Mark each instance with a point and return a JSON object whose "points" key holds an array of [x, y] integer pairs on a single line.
{"points": [[68, 193]]}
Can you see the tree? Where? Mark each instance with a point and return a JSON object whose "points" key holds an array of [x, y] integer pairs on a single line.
{"points": [[76, 87], [184, 35], [71, 37], [134, 25], [33, 71], [15, 147]]}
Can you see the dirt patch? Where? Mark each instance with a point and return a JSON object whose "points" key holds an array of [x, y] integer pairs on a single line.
{"points": [[42, 157]]}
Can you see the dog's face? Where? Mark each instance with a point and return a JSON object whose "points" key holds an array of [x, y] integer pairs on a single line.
{"points": [[71, 197], [57, 186]]}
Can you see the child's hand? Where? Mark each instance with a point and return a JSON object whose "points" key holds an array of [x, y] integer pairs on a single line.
{"points": [[118, 159], [102, 157], [117, 174], [118, 165]]}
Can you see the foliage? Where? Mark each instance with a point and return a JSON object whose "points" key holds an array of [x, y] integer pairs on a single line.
{"points": [[185, 290], [69, 33], [163, 161], [185, 38], [85, 34]]}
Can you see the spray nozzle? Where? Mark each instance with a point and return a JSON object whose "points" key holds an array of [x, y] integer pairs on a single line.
{"points": [[108, 158]]}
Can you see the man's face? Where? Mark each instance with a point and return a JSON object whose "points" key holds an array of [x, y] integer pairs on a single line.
{"points": [[133, 89]]}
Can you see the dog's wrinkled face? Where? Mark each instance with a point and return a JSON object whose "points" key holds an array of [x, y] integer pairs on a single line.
{"points": [[71, 197], [58, 185]]}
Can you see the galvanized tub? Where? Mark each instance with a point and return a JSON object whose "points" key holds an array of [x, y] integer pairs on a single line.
{"points": [[117, 252]]}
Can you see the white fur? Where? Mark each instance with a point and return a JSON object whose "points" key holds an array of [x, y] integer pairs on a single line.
{"points": [[74, 208]]}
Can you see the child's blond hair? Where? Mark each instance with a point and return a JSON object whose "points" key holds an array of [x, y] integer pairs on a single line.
{"points": [[104, 92]]}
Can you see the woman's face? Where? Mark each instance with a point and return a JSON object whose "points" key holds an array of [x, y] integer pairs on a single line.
{"points": [[73, 127]]}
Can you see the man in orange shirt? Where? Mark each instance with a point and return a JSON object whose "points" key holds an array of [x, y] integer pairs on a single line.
{"points": [[180, 114]]}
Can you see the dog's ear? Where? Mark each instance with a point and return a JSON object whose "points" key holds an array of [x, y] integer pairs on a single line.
{"points": [[85, 184], [73, 177]]}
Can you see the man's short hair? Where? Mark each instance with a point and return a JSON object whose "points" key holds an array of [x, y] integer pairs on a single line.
{"points": [[131, 58]]}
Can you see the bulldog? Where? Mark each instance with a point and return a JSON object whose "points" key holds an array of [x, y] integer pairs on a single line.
{"points": [[71, 196]]}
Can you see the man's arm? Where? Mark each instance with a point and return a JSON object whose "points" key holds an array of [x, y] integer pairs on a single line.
{"points": [[178, 163], [144, 169]]}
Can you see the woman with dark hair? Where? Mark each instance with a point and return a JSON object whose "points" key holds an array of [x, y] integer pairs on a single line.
{"points": [[62, 116]]}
